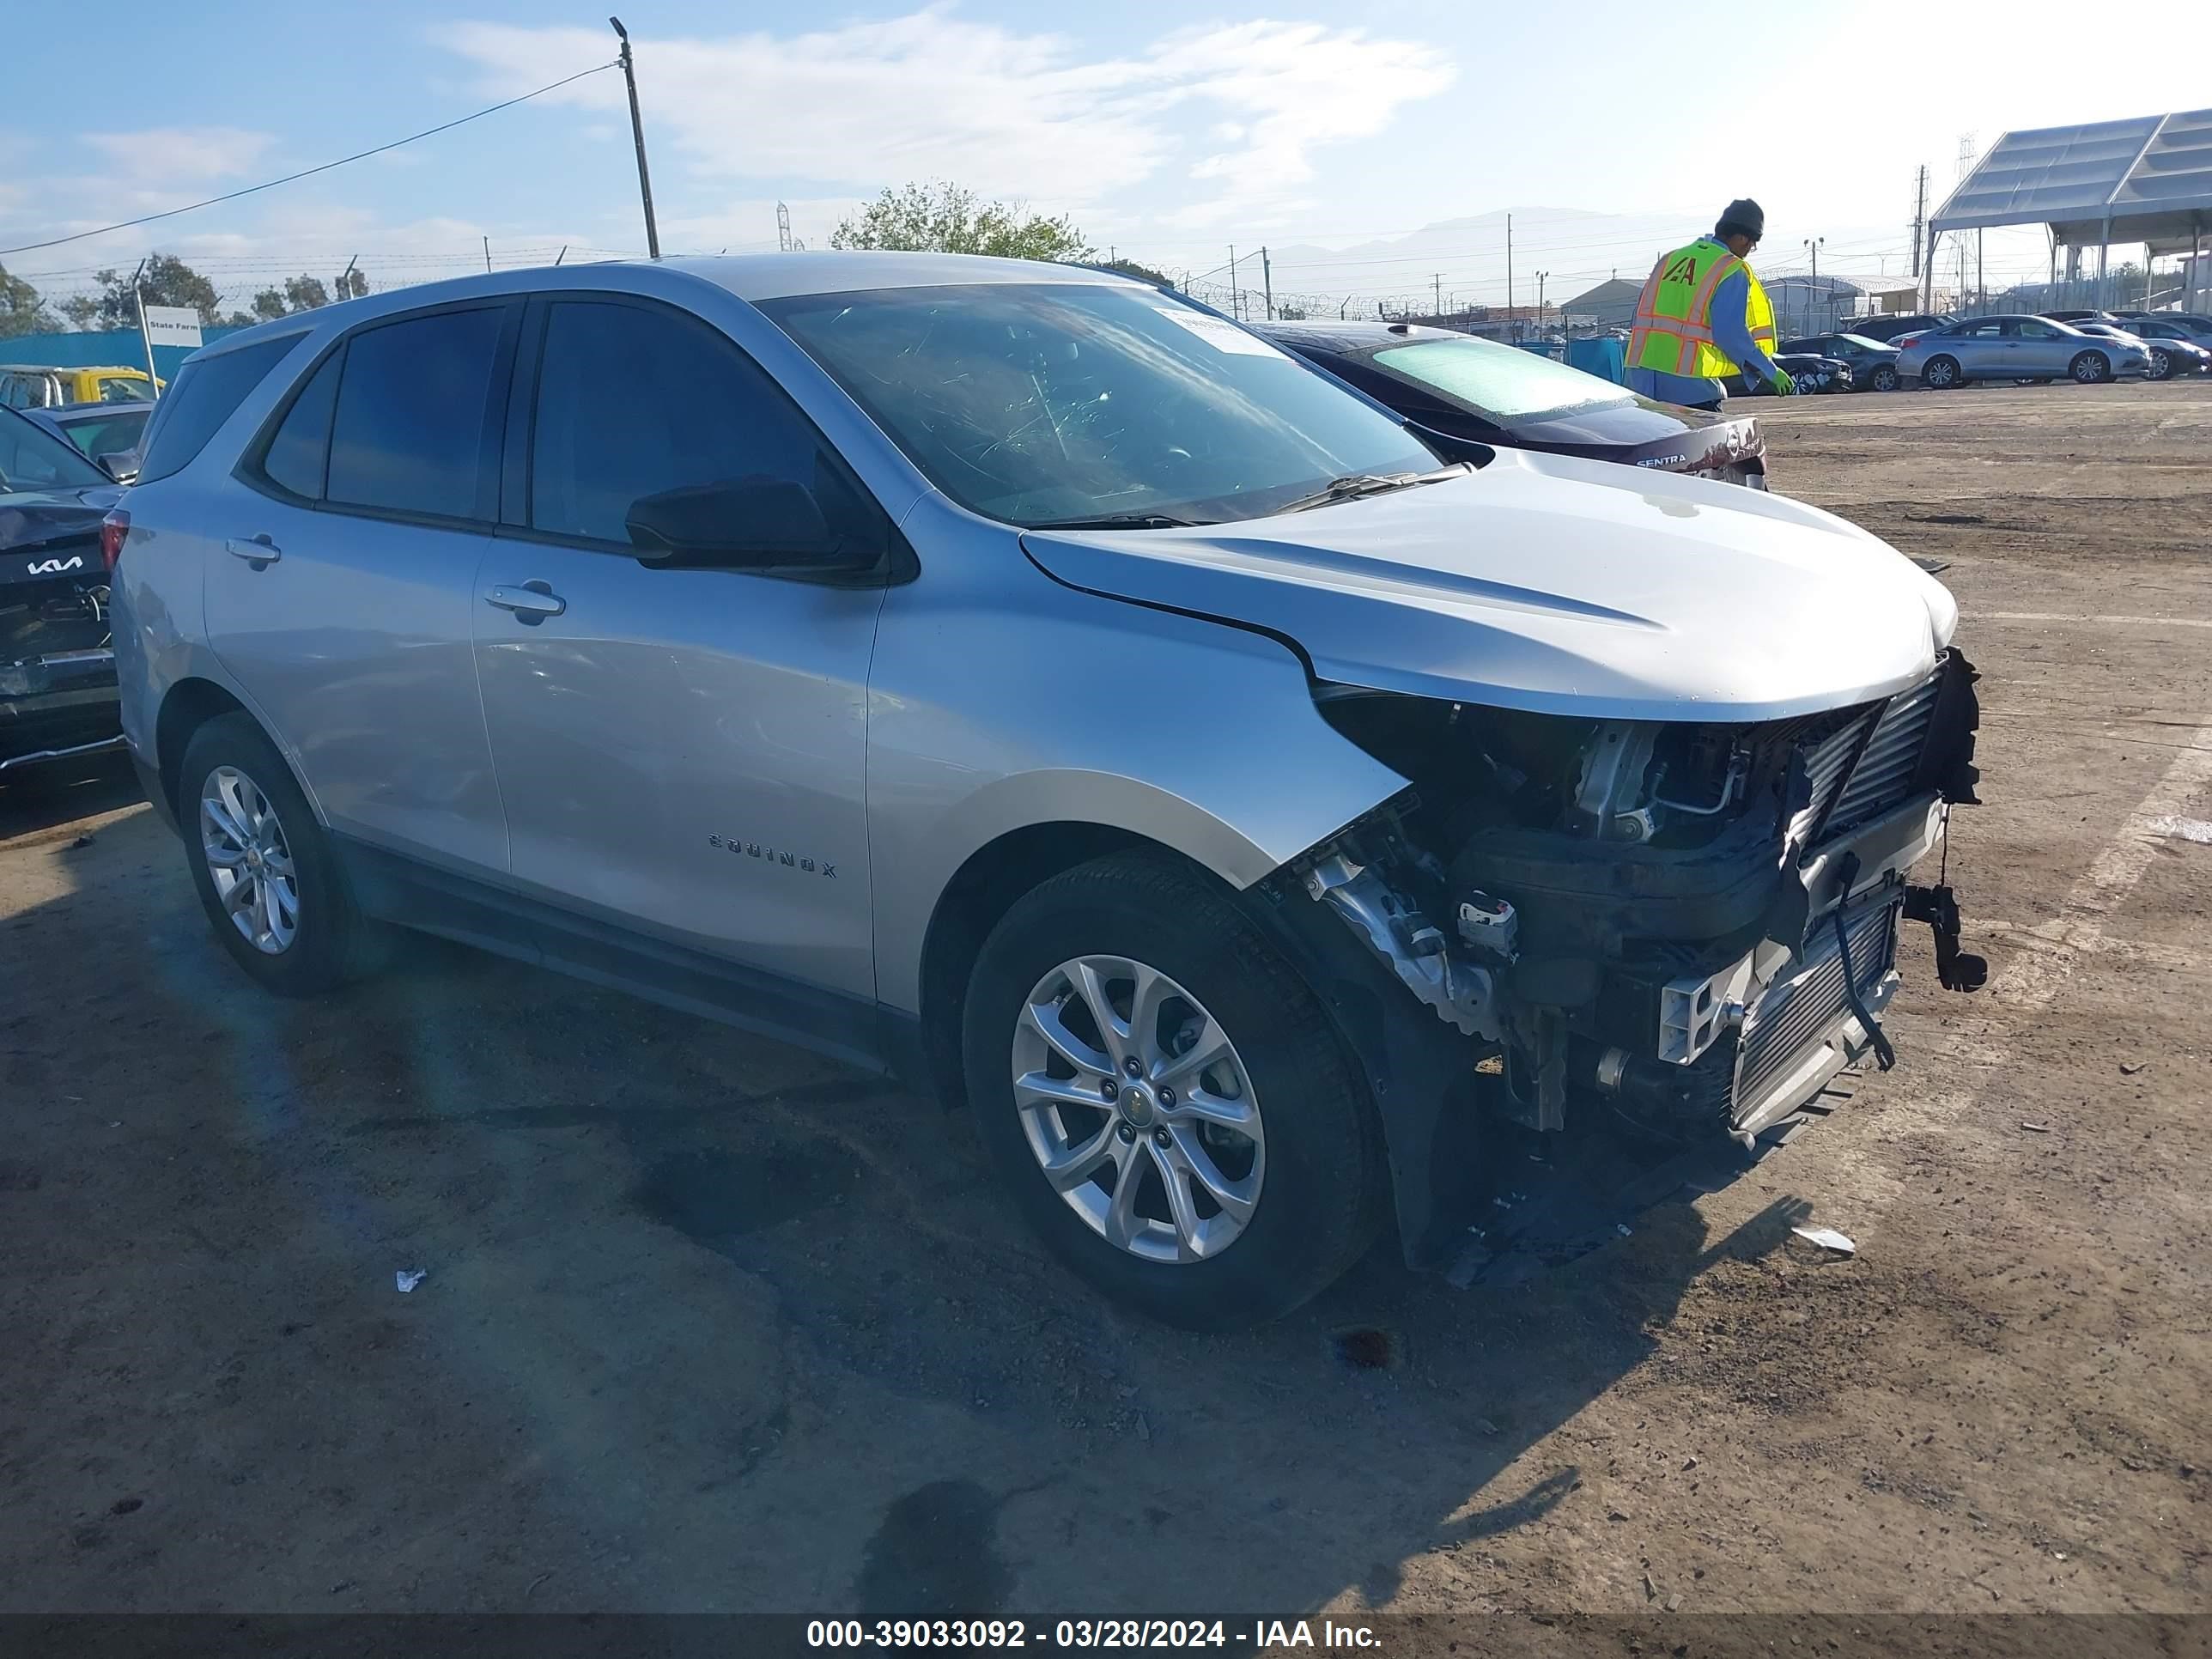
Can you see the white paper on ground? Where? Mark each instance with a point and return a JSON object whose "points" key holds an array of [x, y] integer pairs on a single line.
{"points": [[1828, 1238]]}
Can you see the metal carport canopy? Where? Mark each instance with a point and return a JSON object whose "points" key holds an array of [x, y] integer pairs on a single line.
{"points": [[2145, 179]]}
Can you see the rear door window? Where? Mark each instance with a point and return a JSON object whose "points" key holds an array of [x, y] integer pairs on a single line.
{"points": [[207, 391], [411, 433], [299, 452]]}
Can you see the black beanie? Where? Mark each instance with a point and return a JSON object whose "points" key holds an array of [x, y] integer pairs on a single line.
{"points": [[1741, 217]]}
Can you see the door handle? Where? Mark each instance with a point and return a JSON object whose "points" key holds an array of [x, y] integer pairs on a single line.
{"points": [[532, 601], [257, 549]]}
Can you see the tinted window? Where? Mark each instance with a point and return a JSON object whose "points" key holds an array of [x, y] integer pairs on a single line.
{"points": [[300, 451], [409, 434], [32, 457], [205, 393], [1034, 403], [107, 435], [632, 403]]}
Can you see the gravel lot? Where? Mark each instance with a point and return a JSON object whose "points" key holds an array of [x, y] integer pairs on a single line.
{"points": [[710, 1324]]}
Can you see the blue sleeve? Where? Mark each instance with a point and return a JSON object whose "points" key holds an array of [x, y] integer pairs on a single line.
{"points": [[1732, 334]]}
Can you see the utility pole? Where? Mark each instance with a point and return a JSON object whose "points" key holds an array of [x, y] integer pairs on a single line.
{"points": [[1509, 274], [345, 277], [1438, 279], [1235, 306], [1813, 246], [1266, 283], [1919, 216], [1541, 276], [487, 242], [637, 136]]}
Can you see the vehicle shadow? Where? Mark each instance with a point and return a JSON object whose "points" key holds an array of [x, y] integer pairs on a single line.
{"points": [[54, 793], [764, 1320]]}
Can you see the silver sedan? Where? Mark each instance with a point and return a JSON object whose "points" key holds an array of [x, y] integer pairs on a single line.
{"points": [[2016, 348]]}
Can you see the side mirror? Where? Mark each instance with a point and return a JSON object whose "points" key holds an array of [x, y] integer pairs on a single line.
{"points": [[121, 464], [742, 524]]}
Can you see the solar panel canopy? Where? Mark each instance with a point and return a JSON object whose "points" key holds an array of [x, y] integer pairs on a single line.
{"points": [[2145, 179]]}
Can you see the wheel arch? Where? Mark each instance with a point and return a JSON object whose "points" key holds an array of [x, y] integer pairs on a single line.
{"points": [[992, 880], [187, 704]]}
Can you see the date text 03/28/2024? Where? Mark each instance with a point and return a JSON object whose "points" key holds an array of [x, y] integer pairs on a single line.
{"points": [[1006, 1634]]}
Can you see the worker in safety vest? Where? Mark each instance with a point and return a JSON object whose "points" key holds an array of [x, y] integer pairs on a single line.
{"points": [[1701, 315]]}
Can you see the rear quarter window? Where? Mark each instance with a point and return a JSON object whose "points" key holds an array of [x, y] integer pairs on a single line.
{"points": [[207, 392]]}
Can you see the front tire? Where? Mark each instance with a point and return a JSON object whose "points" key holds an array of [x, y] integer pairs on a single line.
{"points": [[2162, 365], [1885, 379], [1807, 385], [267, 874], [1940, 373], [2090, 368], [1164, 1098]]}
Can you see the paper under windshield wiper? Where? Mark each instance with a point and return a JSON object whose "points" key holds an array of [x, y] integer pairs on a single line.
{"points": [[1118, 521], [1369, 483]]}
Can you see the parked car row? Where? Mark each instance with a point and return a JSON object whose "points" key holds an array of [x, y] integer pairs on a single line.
{"points": [[1271, 813]]}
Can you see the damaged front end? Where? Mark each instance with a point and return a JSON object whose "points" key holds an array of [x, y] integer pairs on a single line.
{"points": [[1668, 935]]}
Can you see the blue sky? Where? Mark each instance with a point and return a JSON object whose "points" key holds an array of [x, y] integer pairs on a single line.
{"points": [[1169, 132]]}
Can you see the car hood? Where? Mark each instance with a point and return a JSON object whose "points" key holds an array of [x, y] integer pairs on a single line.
{"points": [[1555, 585]]}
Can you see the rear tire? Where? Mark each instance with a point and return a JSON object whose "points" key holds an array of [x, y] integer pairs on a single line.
{"points": [[2161, 364], [1885, 379], [1807, 384], [267, 874], [2090, 368], [1939, 373], [1303, 1177]]}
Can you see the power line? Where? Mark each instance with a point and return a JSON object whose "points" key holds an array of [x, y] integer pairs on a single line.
{"points": [[309, 172]]}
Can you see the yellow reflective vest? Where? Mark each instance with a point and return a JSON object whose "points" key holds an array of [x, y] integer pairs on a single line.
{"points": [[1674, 329]]}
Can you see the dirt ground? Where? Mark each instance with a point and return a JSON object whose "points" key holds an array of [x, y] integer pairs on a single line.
{"points": [[710, 1324]]}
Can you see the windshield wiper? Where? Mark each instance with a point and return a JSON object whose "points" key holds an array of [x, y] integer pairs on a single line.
{"points": [[1118, 521], [1369, 483]]}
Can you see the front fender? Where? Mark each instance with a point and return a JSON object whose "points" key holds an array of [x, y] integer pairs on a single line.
{"points": [[1071, 708]]}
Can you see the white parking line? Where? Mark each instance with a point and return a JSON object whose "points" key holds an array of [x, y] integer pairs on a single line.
{"points": [[2032, 983], [1973, 1046], [2114, 621]]}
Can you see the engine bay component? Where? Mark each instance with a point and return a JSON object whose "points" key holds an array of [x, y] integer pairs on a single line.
{"points": [[1490, 924], [1413, 946]]}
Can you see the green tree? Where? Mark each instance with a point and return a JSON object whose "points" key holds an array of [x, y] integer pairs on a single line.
{"points": [[946, 218], [22, 308], [1142, 273], [165, 281], [301, 293]]}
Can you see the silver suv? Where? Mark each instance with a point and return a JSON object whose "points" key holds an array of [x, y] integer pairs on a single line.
{"points": [[1015, 677]]}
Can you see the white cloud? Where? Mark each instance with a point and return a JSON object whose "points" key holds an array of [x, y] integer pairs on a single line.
{"points": [[1024, 115], [178, 154]]}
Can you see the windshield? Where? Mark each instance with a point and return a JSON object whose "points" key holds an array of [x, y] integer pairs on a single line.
{"points": [[32, 457], [1037, 403], [1501, 382]]}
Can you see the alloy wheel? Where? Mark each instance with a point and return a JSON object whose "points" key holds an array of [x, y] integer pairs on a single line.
{"points": [[250, 860], [1139, 1111], [2162, 365]]}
